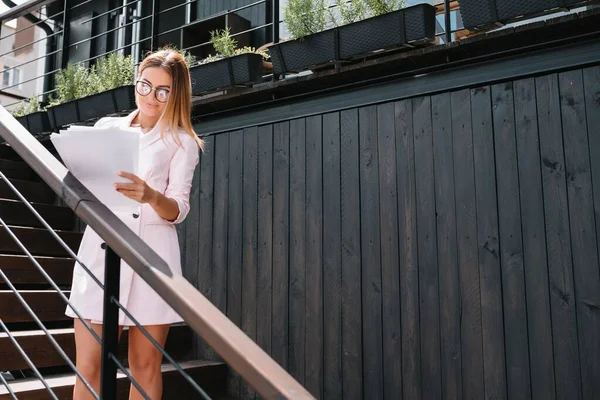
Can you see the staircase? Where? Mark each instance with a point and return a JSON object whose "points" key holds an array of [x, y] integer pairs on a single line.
{"points": [[49, 307]]}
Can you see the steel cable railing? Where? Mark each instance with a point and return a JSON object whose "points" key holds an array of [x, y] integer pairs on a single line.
{"points": [[25, 356], [177, 366], [7, 386], [32, 313]]}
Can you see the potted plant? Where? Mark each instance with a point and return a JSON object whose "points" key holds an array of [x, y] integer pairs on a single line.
{"points": [[72, 83], [231, 66], [310, 45], [478, 14], [373, 25], [31, 115], [112, 76], [361, 27]]}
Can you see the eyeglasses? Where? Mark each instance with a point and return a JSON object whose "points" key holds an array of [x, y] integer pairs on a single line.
{"points": [[144, 89]]}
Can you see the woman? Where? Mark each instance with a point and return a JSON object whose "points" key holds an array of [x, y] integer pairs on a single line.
{"points": [[167, 159]]}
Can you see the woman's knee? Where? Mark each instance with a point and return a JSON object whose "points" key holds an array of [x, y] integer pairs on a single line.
{"points": [[145, 365]]}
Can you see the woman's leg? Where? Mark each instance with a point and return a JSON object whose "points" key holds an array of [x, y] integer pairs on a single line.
{"points": [[88, 353], [145, 360]]}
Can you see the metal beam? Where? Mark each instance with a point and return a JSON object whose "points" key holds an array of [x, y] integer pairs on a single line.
{"points": [[24, 8]]}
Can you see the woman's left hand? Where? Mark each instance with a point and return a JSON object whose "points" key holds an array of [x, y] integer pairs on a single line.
{"points": [[138, 190]]}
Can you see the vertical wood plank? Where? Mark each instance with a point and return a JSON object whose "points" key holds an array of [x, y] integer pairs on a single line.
{"points": [[351, 257], [281, 243], [205, 233], [466, 236], [313, 256], [488, 246], [534, 243], [371, 260], [407, 251], [427, 250], [250, 239], [297, 245], [583, 228], [191, 238], [511, 244], [265, 238], [390, 278], [220, 208], [560, 267], [446, 243], [332, 259], [591, 84], [234, 241]]}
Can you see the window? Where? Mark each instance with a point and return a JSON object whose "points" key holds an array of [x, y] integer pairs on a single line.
{"points": [[11, 77], [16, 77], [5, 76]]}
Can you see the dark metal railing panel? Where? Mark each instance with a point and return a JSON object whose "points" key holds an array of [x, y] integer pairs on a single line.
{"points": [[267, 377], [24, 8]]}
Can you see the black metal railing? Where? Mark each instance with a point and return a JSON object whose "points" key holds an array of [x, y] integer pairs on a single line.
{"points": [[109, 341]]}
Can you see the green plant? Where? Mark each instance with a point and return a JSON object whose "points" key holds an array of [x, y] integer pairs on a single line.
{"points": [[379, 7], [305, 17], [27, 107], [113, 71], [226, 46], [349, 11], [74, 82]]}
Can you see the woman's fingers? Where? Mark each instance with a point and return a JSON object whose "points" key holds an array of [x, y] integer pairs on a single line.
{"points": [[129, 186], [131, 177]]}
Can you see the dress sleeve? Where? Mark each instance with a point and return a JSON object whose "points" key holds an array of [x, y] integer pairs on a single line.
{"points": [[181, 174]]}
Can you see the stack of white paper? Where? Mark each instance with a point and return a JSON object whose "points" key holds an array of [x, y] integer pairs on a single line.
{"points": [[95, 155]]}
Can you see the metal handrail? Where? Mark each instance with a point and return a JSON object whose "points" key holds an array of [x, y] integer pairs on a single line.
{"points": [[251, 362]]}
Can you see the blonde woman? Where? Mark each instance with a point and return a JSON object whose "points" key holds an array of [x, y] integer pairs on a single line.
{"points": [[168, 155]]}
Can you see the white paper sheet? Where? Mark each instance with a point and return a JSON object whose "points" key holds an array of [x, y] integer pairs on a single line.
{"points": [[95, 155]]}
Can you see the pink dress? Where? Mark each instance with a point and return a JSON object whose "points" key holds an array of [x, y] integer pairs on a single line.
{"points": [[168, 168]]}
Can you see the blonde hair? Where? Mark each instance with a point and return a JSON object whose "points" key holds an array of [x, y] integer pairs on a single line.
{"points": [[178, 112]]}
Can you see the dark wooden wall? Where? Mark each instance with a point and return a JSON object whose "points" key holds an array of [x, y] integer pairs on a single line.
{"points": [[435, 247]]}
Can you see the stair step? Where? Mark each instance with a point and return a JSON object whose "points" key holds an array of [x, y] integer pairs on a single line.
{"points": [[16, 213], [43, 353], [211, 376], [18, 170], [46, 304], [38, 242], [37, 192], [20, 270]]}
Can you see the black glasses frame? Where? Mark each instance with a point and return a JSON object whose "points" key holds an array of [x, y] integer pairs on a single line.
{"points": [[167, 91]]}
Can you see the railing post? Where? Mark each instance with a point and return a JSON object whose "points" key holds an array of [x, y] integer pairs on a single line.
{"points": [[447, 24], [64, 56], [110, 327], [154, 19], [273, 12]]}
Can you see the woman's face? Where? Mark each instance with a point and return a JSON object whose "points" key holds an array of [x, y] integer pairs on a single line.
{"points": [[152, 91]]}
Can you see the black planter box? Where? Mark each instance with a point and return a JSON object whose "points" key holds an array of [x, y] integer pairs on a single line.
{"points": [[96, 106], [311, 51], [244, 69], [419, 23], [23, 121], [38, 122], [479, 14], [124, 98], [63, 114], [414, 24]]}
